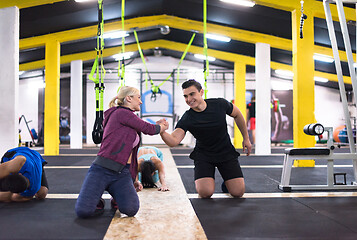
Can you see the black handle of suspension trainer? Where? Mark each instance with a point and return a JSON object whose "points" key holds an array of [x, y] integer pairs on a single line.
{"points": [[97, 133]]}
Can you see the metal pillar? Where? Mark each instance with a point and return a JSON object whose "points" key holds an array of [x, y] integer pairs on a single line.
{"points": [[341, 84]]}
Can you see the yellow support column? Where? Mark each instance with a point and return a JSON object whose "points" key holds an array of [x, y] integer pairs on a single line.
{"points": [[239, 98], [52, 98], [304, 84]]}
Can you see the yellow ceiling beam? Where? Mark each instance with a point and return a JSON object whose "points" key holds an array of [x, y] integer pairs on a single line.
{"points": [[232, 57], [174, 22], [32, 65], [26, 3], [91, 55], [89, 32], [233, 33], [317, 9]]}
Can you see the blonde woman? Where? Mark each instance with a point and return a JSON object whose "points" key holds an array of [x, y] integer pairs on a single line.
{"points": [[115, 168]]}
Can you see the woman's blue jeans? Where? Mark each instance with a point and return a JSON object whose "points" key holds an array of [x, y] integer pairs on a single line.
{"points": [[118, 184]]}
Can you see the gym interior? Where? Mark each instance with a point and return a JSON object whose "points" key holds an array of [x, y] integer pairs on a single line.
{"points": [[296, 58]]}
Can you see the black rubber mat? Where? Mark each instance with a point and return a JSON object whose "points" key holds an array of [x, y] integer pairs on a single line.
{"points": [[69, 160], [180, 150], [243, 159], [278, 218], [274, 150], [265, 180], [183, 160], [259, 160], [65, 180], [50, 219], [75, 151], [273, 218], [342, 210]]}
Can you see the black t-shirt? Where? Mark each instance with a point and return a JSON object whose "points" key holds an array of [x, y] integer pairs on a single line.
{"points": [[251, 107], [209, 127]]}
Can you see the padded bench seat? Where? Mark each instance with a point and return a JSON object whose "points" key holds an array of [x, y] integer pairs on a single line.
{"points": [[307, 151]]}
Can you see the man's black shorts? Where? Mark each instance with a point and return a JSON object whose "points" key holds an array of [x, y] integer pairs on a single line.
{"points": [[228, 169]]}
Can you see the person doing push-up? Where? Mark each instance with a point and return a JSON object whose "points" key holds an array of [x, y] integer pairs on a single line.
{"points": [[151, 168], [22, 175]]}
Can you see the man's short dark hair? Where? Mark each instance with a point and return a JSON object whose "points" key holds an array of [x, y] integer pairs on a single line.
{"points": [[8, 155], [191, 82], [15, 183]]}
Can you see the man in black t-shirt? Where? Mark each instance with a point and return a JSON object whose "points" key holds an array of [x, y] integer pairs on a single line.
{"points": [[206, 120]]}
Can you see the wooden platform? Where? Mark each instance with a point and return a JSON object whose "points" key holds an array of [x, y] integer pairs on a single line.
{"points": [[162, 215]]}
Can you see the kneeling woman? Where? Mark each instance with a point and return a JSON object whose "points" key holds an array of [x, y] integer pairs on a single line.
{"points": [[115, 168], [151, 169]]}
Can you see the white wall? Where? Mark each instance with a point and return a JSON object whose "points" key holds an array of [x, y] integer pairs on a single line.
{"points": [[28, 105], [328, 107]]}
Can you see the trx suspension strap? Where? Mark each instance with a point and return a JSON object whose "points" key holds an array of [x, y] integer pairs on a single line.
{"points": [[205, 63], [121, 64], [182, 57], [98, 69], [143, 59], [156, 89]]}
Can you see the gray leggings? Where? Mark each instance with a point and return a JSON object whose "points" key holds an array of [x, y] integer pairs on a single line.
{"points": [[118, 184]]}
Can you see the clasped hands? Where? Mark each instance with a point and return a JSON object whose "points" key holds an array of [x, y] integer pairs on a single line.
{"points": [[164, 125]]}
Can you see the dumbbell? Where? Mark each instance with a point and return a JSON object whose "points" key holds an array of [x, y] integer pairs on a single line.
{"points": [[314, 129]]}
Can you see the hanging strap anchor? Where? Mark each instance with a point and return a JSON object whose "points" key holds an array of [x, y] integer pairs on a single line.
{"points": [[302, 19]]}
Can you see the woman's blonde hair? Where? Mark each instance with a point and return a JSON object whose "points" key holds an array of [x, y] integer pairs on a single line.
{"points": [[124, 91]]}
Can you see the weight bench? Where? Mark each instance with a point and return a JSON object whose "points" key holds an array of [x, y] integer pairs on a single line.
{"points": [[292, 154]]}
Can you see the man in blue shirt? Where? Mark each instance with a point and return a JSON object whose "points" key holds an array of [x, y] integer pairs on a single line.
{"points": [[22, 176]]}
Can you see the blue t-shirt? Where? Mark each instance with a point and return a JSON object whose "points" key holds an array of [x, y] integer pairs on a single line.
{"points": [[32, 169]]}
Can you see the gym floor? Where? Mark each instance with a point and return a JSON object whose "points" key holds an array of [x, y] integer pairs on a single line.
{"points": [[264, 213]]}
